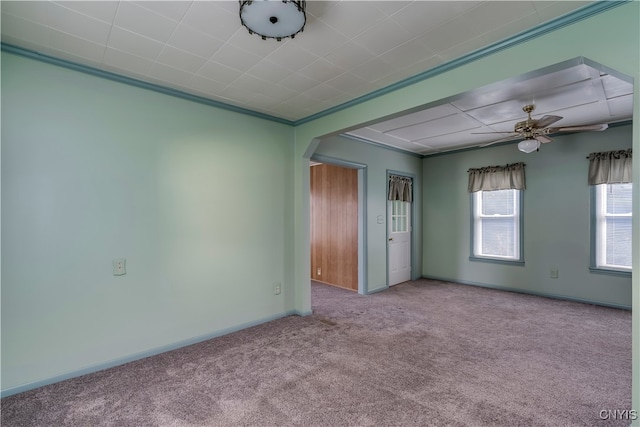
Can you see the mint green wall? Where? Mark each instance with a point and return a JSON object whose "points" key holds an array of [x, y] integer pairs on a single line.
{"points": [[556, 219], [197, 199], [592, 38], [378, 161]]}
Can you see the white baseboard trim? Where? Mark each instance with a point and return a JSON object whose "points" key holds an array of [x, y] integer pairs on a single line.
{"points": [[141, 355], [528, 292]]}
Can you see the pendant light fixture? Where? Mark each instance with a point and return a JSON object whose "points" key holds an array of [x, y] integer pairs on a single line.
{"points": [[273, 19], [528, 145]]}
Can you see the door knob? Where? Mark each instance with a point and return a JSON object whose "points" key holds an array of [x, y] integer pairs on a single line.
{"points": [[390, 238]]}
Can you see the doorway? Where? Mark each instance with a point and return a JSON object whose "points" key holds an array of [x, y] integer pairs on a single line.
{"points": [[399, 241], [399, 228], [334, 225]]}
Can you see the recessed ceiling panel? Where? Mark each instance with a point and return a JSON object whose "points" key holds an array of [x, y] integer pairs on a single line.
{"points": [[443, 126], [547, 101], [614, 87], [525, 90], [422, 116]]}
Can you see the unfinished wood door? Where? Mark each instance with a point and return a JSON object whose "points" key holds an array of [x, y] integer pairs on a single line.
{"points": [[334, 225]]}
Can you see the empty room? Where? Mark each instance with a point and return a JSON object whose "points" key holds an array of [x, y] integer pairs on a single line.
{"points": [[158, 241]]}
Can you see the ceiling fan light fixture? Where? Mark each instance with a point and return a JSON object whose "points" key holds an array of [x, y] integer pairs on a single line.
{"points": [[273, 19], [528, 145]]}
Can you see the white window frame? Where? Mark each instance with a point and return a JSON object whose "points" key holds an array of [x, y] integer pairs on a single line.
{"points": [[476, 230], [599, 232]]}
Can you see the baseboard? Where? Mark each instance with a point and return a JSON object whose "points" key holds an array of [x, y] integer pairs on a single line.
{"points": [[141, 355], [528, 292]]}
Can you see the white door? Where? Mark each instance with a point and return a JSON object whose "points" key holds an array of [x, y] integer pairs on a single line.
{"points": [[399, 244]]}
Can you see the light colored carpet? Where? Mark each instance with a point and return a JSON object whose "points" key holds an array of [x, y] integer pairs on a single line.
{"points": [[423, 353]]}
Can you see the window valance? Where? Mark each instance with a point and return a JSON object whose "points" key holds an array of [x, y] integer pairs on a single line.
{"points": [[610, 167], [400, 188], [497, 178]]}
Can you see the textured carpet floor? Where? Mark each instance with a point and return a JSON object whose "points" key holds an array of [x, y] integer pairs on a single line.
{"points": [[422, 353]]}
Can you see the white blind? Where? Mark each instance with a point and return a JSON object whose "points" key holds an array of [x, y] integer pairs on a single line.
{"points": [[615, 220], [497, 224]]}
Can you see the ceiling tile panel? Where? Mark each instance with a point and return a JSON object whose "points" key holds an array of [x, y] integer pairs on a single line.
{"points": [[218, 72], [269, 71], [322, 70], [168, 75], [384, 36], [144, 22], [298, 82], [350, 56], [180, 60], [322, 92], [352, 17], [319, 38], [30, 10], [251, 43], [417, 19], [454, 32], [134, 43], [80, 47], [194, 42], [441, 126], [19, 29], [170, 9], [211, 19], [126, 61], [293, 58], [346, 82], [407, 53], [77, 24], [411, 119], [619, 107], [374, 70], [235, 58], [101, 10], [205, 86], [614, 87]]}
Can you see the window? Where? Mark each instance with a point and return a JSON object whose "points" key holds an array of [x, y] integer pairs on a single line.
{"points": [[497, 225], [611, 222]]}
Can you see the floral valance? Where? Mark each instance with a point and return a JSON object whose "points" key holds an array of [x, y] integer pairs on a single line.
{"points": [[610, 167], [497, 178]]}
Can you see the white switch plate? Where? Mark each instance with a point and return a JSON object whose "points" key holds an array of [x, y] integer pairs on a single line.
{"points": [[277, 288], [119, 267]]}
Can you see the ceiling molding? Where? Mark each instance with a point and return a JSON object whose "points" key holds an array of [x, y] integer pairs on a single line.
{"points": [[5, 47]]}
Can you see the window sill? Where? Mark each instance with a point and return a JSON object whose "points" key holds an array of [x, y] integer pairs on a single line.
{"points": [[503, 261], [610, 272]]}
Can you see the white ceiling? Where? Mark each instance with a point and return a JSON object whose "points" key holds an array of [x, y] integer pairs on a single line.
{"points": [[348, 49], [577, 91]]}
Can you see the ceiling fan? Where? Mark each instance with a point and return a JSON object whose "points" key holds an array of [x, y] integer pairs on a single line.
{"points": [[535, 131]]}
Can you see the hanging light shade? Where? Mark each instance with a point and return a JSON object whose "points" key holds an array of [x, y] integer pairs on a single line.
{"points": [[273, 19], [528, 145]]}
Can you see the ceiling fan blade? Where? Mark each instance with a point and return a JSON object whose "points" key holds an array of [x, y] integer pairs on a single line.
{"points": [[543, 139], [508, 138], [597, 128], [486, 133], [545, 121]]}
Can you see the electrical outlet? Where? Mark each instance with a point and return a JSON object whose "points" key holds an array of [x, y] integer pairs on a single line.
{"points": [[119, 267], [319, 271], [553, 273], [277, 288]]}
